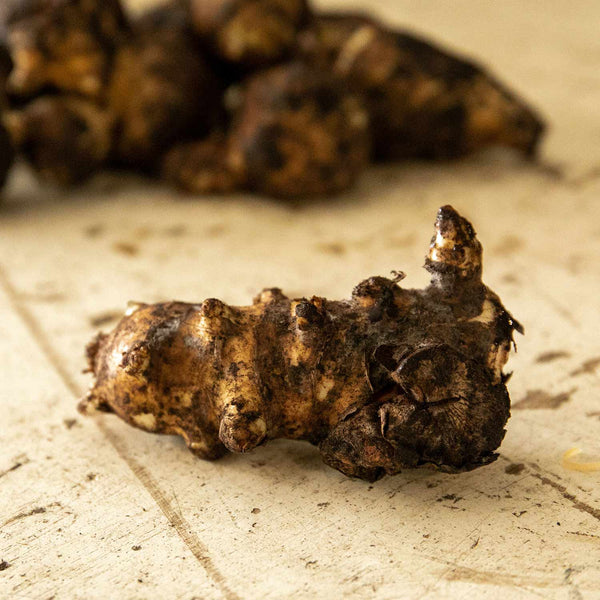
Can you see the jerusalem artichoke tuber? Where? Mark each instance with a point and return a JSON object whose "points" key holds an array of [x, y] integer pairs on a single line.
{"points": [[320, 94], [66, 45], [299, 132], [65, 138], [296, 133], [423, 102], [162, 90], [392, 378]]}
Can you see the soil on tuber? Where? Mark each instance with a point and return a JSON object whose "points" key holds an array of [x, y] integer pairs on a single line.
{"points": [[424, 102], [66, 139], [163, 89], [393, 378], [64, 45], [202, 166], [297, 133]]}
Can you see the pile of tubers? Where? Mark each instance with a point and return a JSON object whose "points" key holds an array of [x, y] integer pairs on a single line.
{"points": [[223, 95]]}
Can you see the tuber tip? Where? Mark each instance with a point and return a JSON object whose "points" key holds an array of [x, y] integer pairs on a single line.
{"points": [[454, 246]]}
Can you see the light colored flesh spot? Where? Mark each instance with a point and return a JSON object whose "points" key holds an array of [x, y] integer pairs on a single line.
{"points": [[294, 356], [359, 40], [443, 242], [197, 446], [359, 119], [471, 255], [488, 313], [186, 399], [323, 388], [206, 328], [299, 353], [258, 427], [193, 444], [145, 421], [434, 255]]}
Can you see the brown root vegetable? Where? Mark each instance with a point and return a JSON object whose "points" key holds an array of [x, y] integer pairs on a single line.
{"points": [[66, 45], [299, 132], [201, 167], [393, 378], [162, 91], [424, 102], [66, 139], [251, 33]]}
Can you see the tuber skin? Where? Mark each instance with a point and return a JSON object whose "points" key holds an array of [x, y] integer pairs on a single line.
{"points": [[65, 45], [296, 133], [393, 378], [163, 90], [424, 102], [299, 133], [249, 33], [202, 167], [66, 139]]}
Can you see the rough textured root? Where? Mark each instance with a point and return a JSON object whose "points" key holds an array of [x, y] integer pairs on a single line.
{"points": [[299, 133], [177, 94], [454, 247], [423, 101], [296, 133], [249, 33], [391, 379], [66, 139], [67, 45]]}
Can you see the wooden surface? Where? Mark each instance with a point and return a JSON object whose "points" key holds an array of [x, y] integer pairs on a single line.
{"points": [[90, 508]]}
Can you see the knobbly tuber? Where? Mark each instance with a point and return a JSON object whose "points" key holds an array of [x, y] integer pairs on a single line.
{"points": [[296, 133], [66, 139], [299, 133], [393, 378], [250, 33], [162, 90], [66, 45], [423, 102]]}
